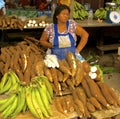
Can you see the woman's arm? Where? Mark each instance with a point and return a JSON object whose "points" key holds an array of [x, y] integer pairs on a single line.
{"points": [[84, 37], [44, 40]]}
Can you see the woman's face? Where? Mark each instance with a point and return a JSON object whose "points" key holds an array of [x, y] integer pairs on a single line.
{"points": [[63, 16]]}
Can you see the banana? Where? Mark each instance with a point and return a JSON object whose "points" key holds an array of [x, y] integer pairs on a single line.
{"points": [[3, 100], [8, 102], [15, 82], [7, 85], [47, 84], [25, 107], [10, 109], [43, 90], [29, 102], [75, 14], [35, 104], [78, 5], [40, 103], [14, 88], [100, 13], [50, 99], [14, 76], [21, 102], [83, 13], [97, 12], [4, 79]]}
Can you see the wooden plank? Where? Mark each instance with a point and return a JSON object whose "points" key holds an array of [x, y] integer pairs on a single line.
{"points": [[106, 113], [56, 115], [108, 47]]}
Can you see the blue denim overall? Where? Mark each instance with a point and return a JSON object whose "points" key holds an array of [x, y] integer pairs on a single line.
{"points": [[61, 51]]}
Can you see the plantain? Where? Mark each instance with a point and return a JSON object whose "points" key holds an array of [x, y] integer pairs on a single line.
{"points": [[15, 82], [29, 102], [14, 88], [25, 107], [35, 104], [50, 99], [11, 108], [77, 5], [20, 103], [43, 90], [40, 103], [14, 76], [3, 100], [4, 80], [7, 85], [100, 13], [47, 84], [8, 102]]}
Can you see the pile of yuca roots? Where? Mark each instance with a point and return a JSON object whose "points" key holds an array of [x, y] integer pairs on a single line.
{"points": [[15, 22], [27, 83]]}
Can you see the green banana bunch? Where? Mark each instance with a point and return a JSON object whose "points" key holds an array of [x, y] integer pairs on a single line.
{"points": [[25, 107], [47, 84], [77, 5], [79, 11], [116, 1], [29, 101], [9, 82], [13, 103], [21, 102], [10, 108], [4, 80], [43, 93], [35, 102], [100, 13], [45, 99], [40, 103], [7, 85], [6, 101], [36, 97]]}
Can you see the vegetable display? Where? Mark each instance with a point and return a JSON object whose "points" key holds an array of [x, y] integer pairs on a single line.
{"points": [[27, 80]]}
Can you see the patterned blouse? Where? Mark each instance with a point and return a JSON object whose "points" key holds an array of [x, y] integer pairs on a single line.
{"points": [[71, 29]]}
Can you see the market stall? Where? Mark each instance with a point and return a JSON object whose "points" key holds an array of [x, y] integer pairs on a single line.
{"points": [[33, 85]]}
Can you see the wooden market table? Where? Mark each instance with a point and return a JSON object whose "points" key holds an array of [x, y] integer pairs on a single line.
{"points": [[99, 33]]}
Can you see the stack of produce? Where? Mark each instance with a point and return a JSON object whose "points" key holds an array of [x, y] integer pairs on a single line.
{"points": [[101, 13], [72, 85], [88, 91], [15, 22], [37, 97], [22, 86], [12, 22], [79, 13], [116, 1]]}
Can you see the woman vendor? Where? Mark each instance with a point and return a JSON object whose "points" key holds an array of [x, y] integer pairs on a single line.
{"points": [[60, 36]]}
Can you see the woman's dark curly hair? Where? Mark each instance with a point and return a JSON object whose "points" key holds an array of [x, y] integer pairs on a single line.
{"points": [[58, 11]]}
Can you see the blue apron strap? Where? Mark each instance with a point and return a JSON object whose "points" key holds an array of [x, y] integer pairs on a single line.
{"points": [[55, 41], [67, 24]]}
